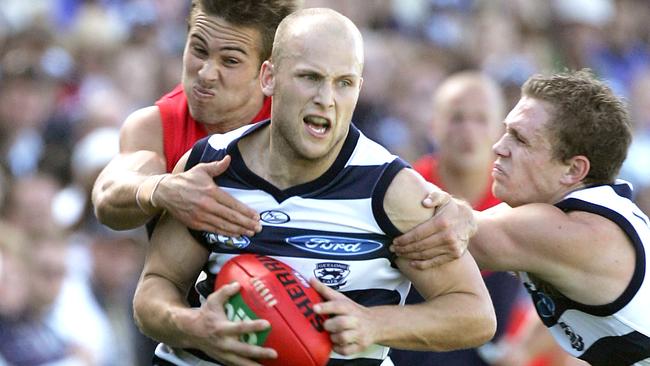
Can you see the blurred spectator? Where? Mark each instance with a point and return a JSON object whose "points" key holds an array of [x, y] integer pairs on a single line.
{"points": [[29, 203], [26, 338], [4, 189], [636, 168], [117, 260], [13, 292], [468, 108], [621, 54]]}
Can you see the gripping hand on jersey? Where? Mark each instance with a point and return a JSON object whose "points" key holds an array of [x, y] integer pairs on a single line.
{"points": [[442, 238], [194, 199]]}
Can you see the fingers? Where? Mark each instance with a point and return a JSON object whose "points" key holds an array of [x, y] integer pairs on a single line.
{"points": [[433, 262], [230, 202], [245, 326], [215, 210], [444, 242], [239, 353], [348, 349], [326, 292], [220, 297], [216, 168], [235, 360], [224, 215], [344, 333], [225, 221], [223, 293], [421, 232], [231, 349], [243, 350], [230, 216], [347, 342], [436, 197]]}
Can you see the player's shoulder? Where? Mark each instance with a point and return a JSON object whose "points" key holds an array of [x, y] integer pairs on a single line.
{"points": [[147, 118], [595, 226], [220, 141], [369, 152], [141, 129], [548, 225]]}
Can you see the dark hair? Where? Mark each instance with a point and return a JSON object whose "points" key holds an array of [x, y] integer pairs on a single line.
{"points": [[587, 119], [262, 15]]}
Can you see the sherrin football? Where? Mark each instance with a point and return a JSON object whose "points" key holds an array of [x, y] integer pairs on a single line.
{"points": [[272, 290]]}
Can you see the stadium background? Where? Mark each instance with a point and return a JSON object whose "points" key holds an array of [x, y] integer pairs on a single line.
{"points": [[72, 70]]}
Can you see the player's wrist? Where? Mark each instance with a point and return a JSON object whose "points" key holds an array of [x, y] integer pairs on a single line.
{"points": [[145, 195], [185, 322]]}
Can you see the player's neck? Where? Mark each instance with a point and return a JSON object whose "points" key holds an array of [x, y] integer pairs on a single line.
{"points": [[278, 164]]}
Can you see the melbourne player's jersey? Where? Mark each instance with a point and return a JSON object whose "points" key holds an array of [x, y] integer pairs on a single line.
{"points": [[180, 130], [333, 228], [614, 334]]}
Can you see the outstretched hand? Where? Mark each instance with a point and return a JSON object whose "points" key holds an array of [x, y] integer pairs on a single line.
{"points": [[350, 325], [442, 238], [194, 199], [220, 337]]}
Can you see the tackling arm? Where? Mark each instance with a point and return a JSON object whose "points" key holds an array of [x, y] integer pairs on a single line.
{"points": [[141, 159], [457, 312], [134, 186]]}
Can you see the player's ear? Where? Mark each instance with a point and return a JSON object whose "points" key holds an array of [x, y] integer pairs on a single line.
{"points": [[267, 79], [577, 169]]}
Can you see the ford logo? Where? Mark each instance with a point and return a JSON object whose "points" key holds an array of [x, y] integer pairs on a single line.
{"points": [[274, 217], [334, 245]]}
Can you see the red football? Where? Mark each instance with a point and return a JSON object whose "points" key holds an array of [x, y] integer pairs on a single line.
{"points": [[272, 290]]}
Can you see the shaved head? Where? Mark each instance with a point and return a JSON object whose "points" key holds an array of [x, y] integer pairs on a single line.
{"points": [[326, 27]]}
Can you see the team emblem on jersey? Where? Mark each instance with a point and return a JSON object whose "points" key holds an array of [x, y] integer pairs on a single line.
{"points": [[334, 245], [332, 274], [227, 242], [274, 217]]}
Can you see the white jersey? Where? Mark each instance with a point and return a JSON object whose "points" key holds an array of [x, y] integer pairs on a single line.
{"points": [[333, 228], [614, 334]]}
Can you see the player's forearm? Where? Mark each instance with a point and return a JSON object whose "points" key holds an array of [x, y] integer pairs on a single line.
{"points": [[448, 322], [161, 313], [115, 204], [117, 186]]}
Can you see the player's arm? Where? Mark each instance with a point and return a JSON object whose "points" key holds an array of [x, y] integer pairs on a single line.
{"points": [[441, 238], [134, 186], [140, 158], [585, 256], [457, 312], [174, 260]]}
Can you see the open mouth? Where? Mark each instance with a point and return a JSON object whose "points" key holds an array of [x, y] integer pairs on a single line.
{"points": [[318, 125]]}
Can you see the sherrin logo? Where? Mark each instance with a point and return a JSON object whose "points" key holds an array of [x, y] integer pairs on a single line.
{"points": [[334, 245]]}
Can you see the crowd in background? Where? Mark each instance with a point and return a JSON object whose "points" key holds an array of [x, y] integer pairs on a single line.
{"points": [[72, 70]]}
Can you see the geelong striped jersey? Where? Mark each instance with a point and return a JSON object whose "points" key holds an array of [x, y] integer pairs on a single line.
{"points": [[333, 228], [614, 334]]}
